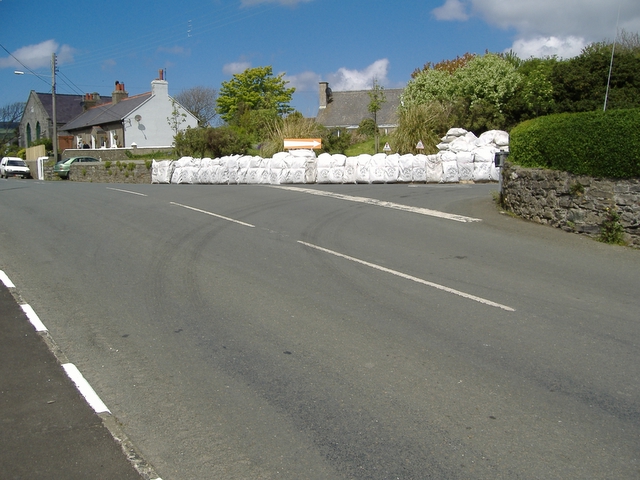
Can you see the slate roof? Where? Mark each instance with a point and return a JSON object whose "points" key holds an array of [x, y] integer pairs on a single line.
{"points": [[348, 109], [107, 112], [67, 106]]}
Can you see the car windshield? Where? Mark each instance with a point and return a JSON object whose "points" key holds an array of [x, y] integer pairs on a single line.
{"points": [[17, 163]]}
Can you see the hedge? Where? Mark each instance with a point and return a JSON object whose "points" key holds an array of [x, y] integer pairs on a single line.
{"points": [[596, 144]]}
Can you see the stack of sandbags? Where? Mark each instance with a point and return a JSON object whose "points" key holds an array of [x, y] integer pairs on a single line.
{"points": [[161, 171]]}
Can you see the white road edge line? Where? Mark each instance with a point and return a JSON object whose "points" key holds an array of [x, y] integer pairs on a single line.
{"points": [[412, 278], [380, 203], [126, 191], [213, 214], [6, 280], [33, 318], [85, 389]]}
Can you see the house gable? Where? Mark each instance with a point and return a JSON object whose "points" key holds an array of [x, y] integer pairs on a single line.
{"points": [[347, 109]]}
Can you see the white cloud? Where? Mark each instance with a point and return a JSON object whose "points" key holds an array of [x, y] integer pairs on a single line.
{"points": [[451, 10], [235, 67], [39, 55], [345, 79], [550, 26], [304, 82], [548, 46]]}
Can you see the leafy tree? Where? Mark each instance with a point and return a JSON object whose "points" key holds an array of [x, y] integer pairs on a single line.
{"points": [[479, 87], [177, 118], [201, 102], [10, 114], [254, 89], [376, 99], [212, 142]]}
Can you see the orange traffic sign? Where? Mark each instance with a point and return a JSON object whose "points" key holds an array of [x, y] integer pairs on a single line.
{"points": [[292, 143]]}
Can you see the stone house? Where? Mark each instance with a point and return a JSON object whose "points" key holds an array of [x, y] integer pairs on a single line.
{"points": [[147, 120], [37, 117], [347, 109]]}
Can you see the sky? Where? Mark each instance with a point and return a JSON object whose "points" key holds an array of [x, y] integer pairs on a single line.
{"points": [[348, 43]]}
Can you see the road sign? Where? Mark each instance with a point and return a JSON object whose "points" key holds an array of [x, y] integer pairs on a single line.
{"points": [[387, 147], [420, 145], [292, 143]]}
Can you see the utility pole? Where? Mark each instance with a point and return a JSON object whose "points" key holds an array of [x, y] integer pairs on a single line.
{"points": [[54, 140]]}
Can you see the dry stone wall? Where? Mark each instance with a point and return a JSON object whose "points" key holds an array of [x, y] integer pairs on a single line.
{"points": [[574, 203]]}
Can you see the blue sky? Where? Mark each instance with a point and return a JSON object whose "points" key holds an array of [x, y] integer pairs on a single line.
{"points": [[345, 42]]}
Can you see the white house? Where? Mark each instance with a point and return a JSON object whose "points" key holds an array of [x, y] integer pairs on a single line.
{"points": [[149, 120]]}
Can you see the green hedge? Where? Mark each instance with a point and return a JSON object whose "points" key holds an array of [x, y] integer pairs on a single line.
{"points": [[596, 144]]}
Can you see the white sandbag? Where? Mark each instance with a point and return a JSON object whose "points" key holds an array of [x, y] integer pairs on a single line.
{"points": [[405, 163], [350, 166], [378, 159], [243, 161], [336, 174], [391, 174], [495, 173], [362, 174], [303, 153], [323, 175], [224, 175], [184, 162], [376, 173], [487, 138], [310, 170], [484, 154], [419, 167], [242, 175], [392, 160], [465, 172], [443, 146], [501, 139], [462, 144], [161, 171], [186, 174], [233, 176], [275, 175], [325, 160], [464, 157], [253, 176], [339, 160], [281, 155], [456, 132], [471, 137], [433, 167], [286, 176], [450, 172], [278, 163], [364, 159], [297, 162], [447, 156], [481, 171], [298, 175]]}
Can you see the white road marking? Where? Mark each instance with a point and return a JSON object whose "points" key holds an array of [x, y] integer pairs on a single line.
{"points": [[412, 278], [213, 214], [126, 191], [380, 203], [6, 280], [33, 318], [85, 389]]}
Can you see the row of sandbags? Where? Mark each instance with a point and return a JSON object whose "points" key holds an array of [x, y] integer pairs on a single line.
{"points": [[463, 157]]}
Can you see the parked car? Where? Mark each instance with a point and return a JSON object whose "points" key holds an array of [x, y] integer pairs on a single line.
{"points": [[14, 167], [63, 166]]}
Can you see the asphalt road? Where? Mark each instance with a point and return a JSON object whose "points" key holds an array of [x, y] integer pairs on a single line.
{"points": [[245, 332]]}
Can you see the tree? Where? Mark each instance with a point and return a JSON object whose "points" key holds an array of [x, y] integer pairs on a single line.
{"points": [[177, 118], [376, 99], [254, 89], [10, 115], [201, 101]]}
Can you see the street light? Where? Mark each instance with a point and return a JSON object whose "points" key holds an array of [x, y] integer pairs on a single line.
{"points": [[54, 140]]}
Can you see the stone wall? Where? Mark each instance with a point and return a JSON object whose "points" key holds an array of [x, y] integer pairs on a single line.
{"points": [[137, 171], [115, 154], [574, 203]]}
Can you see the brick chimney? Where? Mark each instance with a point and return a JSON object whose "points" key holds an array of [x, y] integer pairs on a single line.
{"points": [[325, 94], [90, 100], [119, 93]]}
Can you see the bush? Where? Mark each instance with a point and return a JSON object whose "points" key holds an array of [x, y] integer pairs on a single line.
{"points": [[596, 144]]}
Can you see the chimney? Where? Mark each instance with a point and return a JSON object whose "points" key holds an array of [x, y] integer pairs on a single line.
{"points": [[159, 86], [119, 93], [90, 100], [325, 94]]}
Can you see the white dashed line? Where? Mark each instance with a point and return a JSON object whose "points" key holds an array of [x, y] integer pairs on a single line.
{"points": [[126, 191], [380, 203], [213, 214], [33, 318], [85, 389], [412, 278]]}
